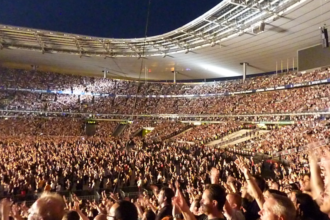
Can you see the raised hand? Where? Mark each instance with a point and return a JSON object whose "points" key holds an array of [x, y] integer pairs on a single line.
{"points": [[154, 189], [15, 211], [242, 167], [177, 185], [114, 197], [76, 206], [180, 203], [230, 179], [214, 175]]}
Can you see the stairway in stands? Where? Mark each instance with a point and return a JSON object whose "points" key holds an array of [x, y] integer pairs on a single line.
{"points": [[183, 130], [119, 129], [235, 138]]}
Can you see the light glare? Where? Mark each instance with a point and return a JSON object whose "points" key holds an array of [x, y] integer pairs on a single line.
{"points": [[220, 71]]}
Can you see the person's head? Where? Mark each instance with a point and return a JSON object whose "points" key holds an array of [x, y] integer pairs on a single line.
{"points": [[197, 205], [234, 200], [269, 192], [165, 196], [71, 215], [213, 199], [101, 217], [305, 183], [167, 218], [50, 206], [306, 206], [149, 215], [274, 186], [277, 207], [123, 210]]}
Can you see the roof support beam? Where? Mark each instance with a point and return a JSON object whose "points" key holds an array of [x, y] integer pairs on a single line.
{"points": [[134, 48], [1, 43], [40, 42], [106, 46], [246, 6], [157, 46], [78, 46], [176, 42], [198, 35]]}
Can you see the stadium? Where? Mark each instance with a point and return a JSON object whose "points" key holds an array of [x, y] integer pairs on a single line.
{"points": [[226, 117]]}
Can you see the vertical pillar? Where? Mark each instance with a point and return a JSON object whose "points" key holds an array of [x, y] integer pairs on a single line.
{"points": [[293, 64], [105, 74], [174, 76], [287, 65], [276, 67], [145, 74], [244, 70]]}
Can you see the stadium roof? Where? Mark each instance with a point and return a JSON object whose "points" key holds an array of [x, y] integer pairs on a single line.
{"points": [[261, 33]]}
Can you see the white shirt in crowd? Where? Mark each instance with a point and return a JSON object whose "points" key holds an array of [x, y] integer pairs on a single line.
{"points": [[236, 215]]}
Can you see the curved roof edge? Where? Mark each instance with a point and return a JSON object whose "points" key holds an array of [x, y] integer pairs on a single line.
{"points": [[228, 19]]}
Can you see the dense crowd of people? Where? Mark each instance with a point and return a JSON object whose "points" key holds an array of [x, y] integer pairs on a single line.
{"points": [[306, 99], [312, 99], [46, 156], [31, 79], [214, 183]]}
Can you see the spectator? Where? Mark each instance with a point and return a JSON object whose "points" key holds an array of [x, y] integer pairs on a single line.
{"points": [[49, 206], [232, 207], [123, 210], [165, 203], [277, 207], [213, 201]]}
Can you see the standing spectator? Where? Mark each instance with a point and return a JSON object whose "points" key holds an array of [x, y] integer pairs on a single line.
{"points": [[277, 207], [165, 203]]}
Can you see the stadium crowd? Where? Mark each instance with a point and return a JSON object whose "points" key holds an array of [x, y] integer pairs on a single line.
{"points": [[31, 79], [48, 159], [306, 99], [215, 183], [37, 164]]}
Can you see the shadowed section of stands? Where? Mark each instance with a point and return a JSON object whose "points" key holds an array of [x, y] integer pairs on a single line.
{"points": [[119, 130]]}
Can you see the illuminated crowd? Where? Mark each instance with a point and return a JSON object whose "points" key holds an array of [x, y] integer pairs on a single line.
{"points": [[174, 170]]}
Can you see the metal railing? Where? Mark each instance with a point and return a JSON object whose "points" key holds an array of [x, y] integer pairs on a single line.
{"points": [[96, 116]]}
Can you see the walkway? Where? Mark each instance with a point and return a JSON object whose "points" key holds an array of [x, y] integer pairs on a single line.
{"points": [[228, 137], [261, 132]]}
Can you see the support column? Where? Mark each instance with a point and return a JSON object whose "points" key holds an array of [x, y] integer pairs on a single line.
{"points": [[245, 64], [174, 76], [145, 74], [276, 67], [293, 64]]}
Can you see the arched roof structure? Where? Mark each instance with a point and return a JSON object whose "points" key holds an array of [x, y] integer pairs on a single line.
{"points": [[262, 33]]}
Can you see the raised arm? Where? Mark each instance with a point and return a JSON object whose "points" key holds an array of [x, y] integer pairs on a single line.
{"points": [[316, 181], [214, 175], [5, 209], [180, 203], [255, 190]]}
